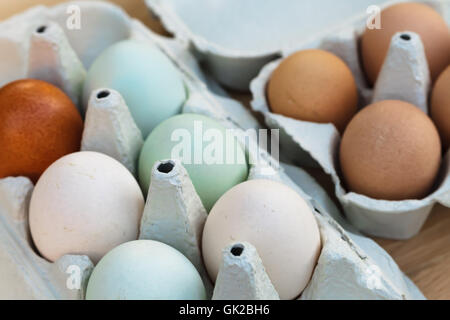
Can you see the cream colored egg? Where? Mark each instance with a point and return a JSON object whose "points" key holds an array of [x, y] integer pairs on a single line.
{"points": [[277, 221], [85, 203]]}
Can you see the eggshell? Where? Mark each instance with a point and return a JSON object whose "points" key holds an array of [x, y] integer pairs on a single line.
{"points": [[211, 180], [314, 85], [145, 270], [415, 17], [38, 125], [390, 150], [277, 222], [85, 203], [148, 81], [440, 106]]}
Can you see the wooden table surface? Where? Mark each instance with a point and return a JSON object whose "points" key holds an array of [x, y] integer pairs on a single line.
{"points": [[424, 258]]}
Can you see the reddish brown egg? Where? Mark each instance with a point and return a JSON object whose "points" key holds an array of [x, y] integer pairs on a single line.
{"points": [[38, 125], [414, 17]]}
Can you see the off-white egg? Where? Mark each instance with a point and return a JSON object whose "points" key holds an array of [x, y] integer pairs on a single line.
{"points": [[274, 219], [85, 203]]}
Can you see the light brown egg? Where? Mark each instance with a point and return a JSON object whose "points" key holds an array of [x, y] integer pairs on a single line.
{"points": [[316, 86], [390, 150], [415, 17], [38, 125], [440, 107]]}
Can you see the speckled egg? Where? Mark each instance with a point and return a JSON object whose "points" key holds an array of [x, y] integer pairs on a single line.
{"points": [[145, 270], [148, 81], [38, 125], [390, 151], [191, 138], [85, 203], [277, 222]]}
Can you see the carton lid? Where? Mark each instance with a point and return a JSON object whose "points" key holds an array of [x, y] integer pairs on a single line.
{"points": [[254, 27]]}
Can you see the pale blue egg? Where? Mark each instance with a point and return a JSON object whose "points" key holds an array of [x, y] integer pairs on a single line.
{"points": [[148, 81], [145, 270]]}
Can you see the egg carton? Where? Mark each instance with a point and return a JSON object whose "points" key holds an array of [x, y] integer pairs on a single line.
{"points": [[235, 40], [404, 76], [350, 266]]}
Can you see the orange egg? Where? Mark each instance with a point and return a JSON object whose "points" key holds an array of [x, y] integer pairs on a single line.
{"points": [[440, 106], [414, 17], [316, 86], [391, 150], [38, 125]]}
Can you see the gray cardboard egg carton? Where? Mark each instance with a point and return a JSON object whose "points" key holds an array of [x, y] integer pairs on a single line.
{"points": [[350, 266], [233, 54], [404, 76]]}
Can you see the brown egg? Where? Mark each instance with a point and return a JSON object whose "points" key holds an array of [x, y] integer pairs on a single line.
{"points": [[38, 125], [440, 106], [390, 150], [316, 86], [415, 17]]}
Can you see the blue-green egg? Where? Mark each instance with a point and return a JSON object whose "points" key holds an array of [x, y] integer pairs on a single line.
{"points": [[213, 158], [152, 87]]}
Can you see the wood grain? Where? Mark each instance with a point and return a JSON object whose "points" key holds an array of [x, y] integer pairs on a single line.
{"points": [[424, 258]]}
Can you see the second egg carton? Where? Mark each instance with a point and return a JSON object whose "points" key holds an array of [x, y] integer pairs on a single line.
{"points": [[404, 76], [37, 44], [235, 39]]}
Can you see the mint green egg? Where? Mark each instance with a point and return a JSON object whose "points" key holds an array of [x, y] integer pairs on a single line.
{"points": [[201, 152], [152, 87], [145, 270]]}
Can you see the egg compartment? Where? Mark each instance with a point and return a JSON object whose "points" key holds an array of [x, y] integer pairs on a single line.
{"points": [[234, 55], [350, 266], [404, 76], [109, 128]]}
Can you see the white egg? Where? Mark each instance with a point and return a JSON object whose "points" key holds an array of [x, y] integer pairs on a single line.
{"points": [[85, 203], [145, 270], [274, 219]]}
